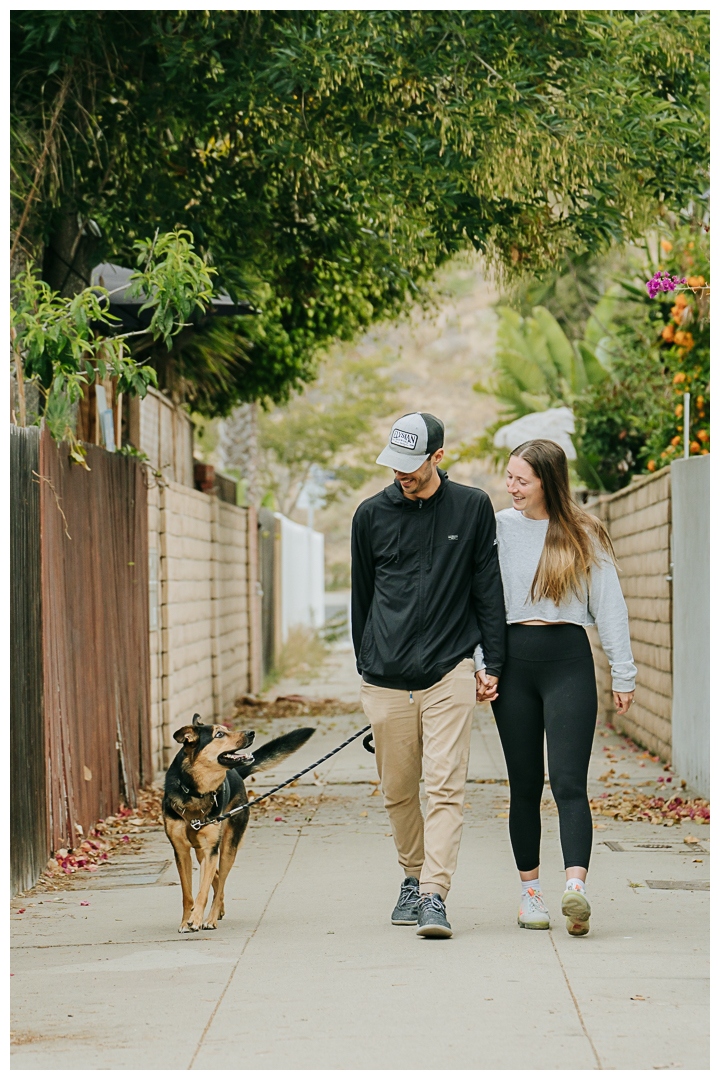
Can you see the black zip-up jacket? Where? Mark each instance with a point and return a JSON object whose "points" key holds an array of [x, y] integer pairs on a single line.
{"points": [[426, 585]]}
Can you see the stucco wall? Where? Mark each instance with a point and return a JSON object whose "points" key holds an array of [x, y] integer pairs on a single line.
{"points": [[691, 621]]}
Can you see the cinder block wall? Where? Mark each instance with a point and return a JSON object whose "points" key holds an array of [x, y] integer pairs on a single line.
{"points": [[639, 520], [202, 632]]}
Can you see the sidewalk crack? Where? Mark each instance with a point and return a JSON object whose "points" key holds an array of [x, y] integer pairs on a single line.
{"points": [[250, 937], [575, 1001]]}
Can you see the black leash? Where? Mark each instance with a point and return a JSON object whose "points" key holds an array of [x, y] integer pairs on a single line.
{"points": [[367, 743]]}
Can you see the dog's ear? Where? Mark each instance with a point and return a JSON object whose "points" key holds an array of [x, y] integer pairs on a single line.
{"points": [[187, 735], [197, 722]]}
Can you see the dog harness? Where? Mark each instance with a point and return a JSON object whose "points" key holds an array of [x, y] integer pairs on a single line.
{"points": [[221, 797]]}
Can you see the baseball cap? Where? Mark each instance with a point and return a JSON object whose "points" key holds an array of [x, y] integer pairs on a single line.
{"points": [[414, 437]]}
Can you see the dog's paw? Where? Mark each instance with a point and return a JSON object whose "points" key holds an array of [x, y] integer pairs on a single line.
{"points": [[186, 928], [209, 924]]}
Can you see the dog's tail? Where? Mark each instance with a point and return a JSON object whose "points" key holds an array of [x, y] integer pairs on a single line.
{"points": [[275, 751]]}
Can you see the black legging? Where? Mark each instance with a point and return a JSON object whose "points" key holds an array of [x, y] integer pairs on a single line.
{"points": [[547, 688]]}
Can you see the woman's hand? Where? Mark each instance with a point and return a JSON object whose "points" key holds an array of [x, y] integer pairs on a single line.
{"points": [[486, 686], [623, 701]]}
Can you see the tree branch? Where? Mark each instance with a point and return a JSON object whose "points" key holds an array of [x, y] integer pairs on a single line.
{"points": [[41, 163]]}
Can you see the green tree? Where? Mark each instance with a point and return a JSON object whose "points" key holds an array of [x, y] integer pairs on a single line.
{"points": [[55, 345], [330, 427], [635, 422], [329, 161]]}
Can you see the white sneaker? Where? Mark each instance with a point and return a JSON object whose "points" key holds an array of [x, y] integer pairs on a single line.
{"points": [[576, 909], [533, 915]]}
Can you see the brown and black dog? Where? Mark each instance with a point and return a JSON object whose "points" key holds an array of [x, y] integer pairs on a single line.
{"points": [[205, 780]]}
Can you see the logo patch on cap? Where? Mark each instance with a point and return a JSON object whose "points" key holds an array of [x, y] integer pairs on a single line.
{"points": [[406, 439]]}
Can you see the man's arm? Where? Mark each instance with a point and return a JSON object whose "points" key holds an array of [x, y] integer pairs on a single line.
{"points": [[362, 578], [487, 592]]}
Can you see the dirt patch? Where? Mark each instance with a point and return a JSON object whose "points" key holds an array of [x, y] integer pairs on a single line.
{"points": [[255, 708]]}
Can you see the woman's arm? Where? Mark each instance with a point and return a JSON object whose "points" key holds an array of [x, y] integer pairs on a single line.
{"points": [[607, 606]]}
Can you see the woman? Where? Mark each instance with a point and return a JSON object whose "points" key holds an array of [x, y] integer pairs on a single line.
{"points": [[559, 576]]}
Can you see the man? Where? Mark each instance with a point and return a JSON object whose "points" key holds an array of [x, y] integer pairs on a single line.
{"points": [[426, 591]]}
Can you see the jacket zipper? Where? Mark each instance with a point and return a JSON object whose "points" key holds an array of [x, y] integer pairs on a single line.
{"points": [[421, 602]]}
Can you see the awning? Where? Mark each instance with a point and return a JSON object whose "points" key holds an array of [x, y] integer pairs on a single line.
{"points": [[116, 279]]}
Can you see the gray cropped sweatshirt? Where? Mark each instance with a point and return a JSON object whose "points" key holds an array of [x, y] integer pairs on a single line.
{"points": [[520, 544]]}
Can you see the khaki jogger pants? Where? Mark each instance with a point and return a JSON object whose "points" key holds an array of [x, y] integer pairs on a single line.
{"points": [[431, 732]]}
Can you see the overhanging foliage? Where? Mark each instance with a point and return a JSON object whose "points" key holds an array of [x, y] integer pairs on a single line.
{"points": [[329, 161]]}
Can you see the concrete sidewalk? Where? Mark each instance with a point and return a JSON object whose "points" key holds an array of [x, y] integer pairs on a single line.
{"points": [[306, 971]]}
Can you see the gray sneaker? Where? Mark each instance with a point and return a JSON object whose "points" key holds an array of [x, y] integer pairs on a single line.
{"points": [[406, 909], [432, 920]]}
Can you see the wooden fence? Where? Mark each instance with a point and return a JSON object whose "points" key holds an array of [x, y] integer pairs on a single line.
{"points": [[82, 635], [95, 634]]}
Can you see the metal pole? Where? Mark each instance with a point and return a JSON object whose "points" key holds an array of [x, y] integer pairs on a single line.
{"points": [[686, 425]]}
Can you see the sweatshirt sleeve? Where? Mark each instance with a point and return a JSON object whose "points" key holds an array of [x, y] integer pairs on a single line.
{"points": [[362, 579], [607, 606], [487, 593]]}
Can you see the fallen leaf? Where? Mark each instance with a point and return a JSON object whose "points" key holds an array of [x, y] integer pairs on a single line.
{"points": [[466, 806], [690, 839], [363, 813], [636, 884], [637, 997]]}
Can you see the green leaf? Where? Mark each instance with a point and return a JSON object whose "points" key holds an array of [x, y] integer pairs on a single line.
{"points": [[559, 348]]}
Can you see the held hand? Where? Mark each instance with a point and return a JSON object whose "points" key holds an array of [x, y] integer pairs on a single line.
{"points": [[486, 686], [623, 701]]}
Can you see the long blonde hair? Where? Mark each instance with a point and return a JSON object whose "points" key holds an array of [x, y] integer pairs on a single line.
{"points": [[574, 538]]}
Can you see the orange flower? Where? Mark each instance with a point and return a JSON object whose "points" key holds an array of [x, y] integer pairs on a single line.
{"points": [[694, 447], [678, 410], [668, 333], [678, 308], [651, 466], [683, 337], [676, 441], [696, 282], [680, 377], [666, 245], [703, 436], [704, 451], [700, 401]]}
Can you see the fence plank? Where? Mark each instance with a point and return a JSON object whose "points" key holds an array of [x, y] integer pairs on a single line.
{"points": [[29, 843]]}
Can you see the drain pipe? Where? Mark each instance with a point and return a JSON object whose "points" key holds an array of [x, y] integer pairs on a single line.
{"points": [[686, 425]]}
